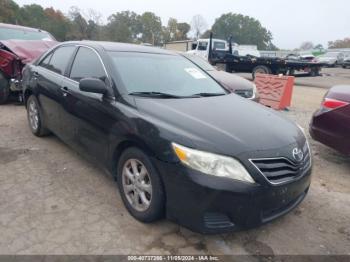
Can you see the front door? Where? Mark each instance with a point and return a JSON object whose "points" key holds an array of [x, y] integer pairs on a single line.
{"points": [[88, 115]]}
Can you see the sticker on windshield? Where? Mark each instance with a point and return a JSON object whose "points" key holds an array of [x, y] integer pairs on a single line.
{"points": [[195, 73]]}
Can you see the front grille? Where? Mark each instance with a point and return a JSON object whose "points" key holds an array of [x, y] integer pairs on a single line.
{"points": [[279, 170], [244, 93]]}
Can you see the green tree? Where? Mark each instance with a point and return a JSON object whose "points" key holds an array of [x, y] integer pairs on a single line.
{"points": [[8, 12], [345, 43], [32, 15], [56, 23], [244, 29], [182, 31], [175, 31], [122, 27], [79, 25], [151, 28]]}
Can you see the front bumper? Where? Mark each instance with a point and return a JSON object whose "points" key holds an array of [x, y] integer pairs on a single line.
{"points": [[208, 204]]}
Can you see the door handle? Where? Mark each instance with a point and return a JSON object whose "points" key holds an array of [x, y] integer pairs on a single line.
{"points": [[65, 91]]}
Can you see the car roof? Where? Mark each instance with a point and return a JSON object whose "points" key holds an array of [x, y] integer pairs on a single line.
{"points": [[122, 47], [10, 26]]}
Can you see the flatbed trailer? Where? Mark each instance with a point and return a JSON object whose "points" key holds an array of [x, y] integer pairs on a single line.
{"points": [[262, 65]]}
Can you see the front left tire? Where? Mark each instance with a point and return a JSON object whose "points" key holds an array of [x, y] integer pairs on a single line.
{"points": [[35, 118], [140, 186]]}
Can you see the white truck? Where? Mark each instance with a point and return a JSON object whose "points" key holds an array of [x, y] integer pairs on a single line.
{"points": [[201, 47]]}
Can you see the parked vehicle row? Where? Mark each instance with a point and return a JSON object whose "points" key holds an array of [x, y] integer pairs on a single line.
{"points": [[179, 144], [218, 51], [18, 46]]}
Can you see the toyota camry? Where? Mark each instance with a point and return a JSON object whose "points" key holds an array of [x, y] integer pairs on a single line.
{"points": [[179, 145]]}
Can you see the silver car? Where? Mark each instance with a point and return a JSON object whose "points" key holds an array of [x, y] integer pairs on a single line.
{"points": [[331, 59]]}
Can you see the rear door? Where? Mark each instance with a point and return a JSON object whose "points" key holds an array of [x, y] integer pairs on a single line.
{"points": [[88, 113], [48, 76]]}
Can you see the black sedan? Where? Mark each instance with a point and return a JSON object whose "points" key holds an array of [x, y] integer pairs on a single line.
{"points": [[178, 144]]}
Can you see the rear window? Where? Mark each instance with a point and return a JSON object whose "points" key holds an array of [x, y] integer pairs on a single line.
{"points": [[59, 59], [20, 34]]}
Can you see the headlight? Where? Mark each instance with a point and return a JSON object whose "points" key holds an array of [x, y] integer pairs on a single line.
{"points": [[212, 164]]}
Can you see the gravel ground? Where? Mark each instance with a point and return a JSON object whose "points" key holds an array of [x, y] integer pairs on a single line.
{"points": [[52, 201]]}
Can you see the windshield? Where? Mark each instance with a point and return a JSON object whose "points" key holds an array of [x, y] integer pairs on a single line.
{"points": [[200, 62], [20, 34], [159, 73]]}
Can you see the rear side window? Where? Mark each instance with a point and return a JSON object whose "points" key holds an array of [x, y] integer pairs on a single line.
{"points": [[60, 59], [46, 62], [87, 64]]}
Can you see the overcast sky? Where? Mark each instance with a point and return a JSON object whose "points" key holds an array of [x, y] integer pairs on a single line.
{"points": [[291, 22]]}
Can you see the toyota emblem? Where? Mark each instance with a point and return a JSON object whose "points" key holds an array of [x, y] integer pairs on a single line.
{"points": [[298, 154]]}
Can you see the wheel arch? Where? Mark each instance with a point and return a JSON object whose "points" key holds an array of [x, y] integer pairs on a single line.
{"points": [[27, 93], [122, 146]]}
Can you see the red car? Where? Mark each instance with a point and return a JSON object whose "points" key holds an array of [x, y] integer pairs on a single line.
{"points": [[18, 46], [330, 125]]}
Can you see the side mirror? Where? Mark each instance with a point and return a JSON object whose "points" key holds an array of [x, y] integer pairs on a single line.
{"points": [[93, 85]]}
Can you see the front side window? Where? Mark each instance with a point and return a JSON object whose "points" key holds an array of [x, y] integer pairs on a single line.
{"points": [[46, 62], [87, 64], [170, 74], [60, 59]]}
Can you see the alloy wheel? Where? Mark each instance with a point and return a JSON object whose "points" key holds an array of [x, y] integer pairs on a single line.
{"points": [[137, 185], [33, 112]]}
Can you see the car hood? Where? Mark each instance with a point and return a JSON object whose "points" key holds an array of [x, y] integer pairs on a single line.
{"points": [[228, 124], [28, 50], [230, 81]]}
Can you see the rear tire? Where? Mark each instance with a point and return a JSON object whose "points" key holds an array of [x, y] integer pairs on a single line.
{"points": [[140, 186], [35, 118], [261, 70], [4, 89]]}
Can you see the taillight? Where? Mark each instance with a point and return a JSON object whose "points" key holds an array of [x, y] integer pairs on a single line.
{"points": [[330, 103]]}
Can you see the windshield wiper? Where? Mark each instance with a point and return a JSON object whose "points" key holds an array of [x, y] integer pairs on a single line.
{"points": [[157, 94], [209, 94]]}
